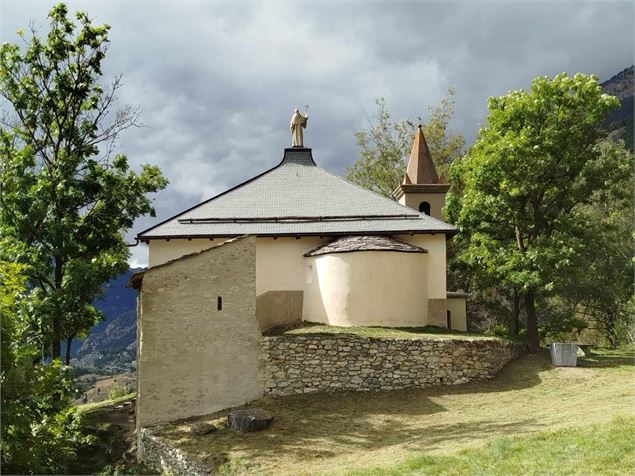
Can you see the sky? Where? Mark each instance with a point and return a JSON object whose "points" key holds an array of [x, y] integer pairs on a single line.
{"points": [[217, 82]]}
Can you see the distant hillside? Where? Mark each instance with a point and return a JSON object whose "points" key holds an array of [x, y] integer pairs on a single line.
{"points": [[111, 344], [620, 121]]}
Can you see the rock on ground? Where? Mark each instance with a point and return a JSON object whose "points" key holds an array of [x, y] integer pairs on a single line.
{"points": [[249, 419], [202, 428]]}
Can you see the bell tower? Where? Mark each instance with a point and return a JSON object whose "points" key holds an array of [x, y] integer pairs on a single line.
{"points": [[421, 188]]}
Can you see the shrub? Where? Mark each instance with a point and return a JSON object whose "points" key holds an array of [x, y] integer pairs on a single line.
{"points": [[117, 391]]}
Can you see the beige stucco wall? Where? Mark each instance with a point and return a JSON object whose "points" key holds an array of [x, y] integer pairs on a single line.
{"points": [[280, 263], [279, 272], [458, 314], [278, 308], [366, 288], [436, 275], [162, 251], [281, 266], [185, 366], [436, 262], [436, 201]]}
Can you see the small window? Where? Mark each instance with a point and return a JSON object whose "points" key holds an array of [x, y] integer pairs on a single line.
{"points": [[219, 303], [424, 207]]}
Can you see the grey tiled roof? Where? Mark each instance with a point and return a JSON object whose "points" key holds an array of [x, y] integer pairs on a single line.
{"points": [[347, 244], [296, 198]]}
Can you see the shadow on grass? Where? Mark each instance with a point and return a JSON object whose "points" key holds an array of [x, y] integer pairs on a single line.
{"points": [[112, 432], [608, 360], [311, 438], [309, 427]]}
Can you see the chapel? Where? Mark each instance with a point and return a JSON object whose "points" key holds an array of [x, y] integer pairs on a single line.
{"points": [[326, 250]]}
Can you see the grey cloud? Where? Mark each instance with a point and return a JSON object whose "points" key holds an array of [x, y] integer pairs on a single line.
{"points": [[217, 81]]}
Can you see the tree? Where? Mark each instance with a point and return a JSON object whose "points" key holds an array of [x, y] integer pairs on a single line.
{"points": [[385, 146], [600, 286], [40, 429], [65, 200], [535, 161]]}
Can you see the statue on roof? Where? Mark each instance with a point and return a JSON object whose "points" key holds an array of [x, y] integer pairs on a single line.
{"points": [[298, 122]]}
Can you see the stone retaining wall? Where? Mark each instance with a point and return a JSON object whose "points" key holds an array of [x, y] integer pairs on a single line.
{"points": [[317, 363], [164, 457]]}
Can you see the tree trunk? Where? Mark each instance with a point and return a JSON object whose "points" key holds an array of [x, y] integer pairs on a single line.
{"points": [[533, 342], [609, 327], [69, 341], [57, 336], [57, 315], [516, 312]]}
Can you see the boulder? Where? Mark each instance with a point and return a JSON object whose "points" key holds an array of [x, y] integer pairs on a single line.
{"points": [[248, 419], [202, 428]]}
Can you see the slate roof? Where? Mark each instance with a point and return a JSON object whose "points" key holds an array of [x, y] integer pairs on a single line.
{"points": [[295, 198], [348, 244]]}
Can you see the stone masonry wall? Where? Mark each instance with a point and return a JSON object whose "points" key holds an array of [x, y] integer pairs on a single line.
{"points": [[196, 331], [166, 459], [317, 363]]}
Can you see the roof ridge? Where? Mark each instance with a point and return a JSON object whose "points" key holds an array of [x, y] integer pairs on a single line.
{"points": [[212, 198], [286, 159]]}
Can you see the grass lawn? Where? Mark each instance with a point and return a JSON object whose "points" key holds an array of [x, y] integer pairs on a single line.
{"points": [[606, 448], [91, 407], [532, 418], [428, 332]]}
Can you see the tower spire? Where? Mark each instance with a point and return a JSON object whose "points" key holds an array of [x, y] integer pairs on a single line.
{"points": [[420, 170]]}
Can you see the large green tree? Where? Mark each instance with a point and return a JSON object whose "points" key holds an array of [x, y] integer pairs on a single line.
{"points": [[385, 146], [40, 429], [536, 160], [65, 199], [599, 287]]}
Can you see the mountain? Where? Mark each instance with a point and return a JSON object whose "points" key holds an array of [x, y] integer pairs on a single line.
{"points": [[620, 121], [111, 345]]}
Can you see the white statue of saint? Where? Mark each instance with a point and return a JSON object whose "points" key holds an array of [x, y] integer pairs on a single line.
{"points": [[298, 122]]}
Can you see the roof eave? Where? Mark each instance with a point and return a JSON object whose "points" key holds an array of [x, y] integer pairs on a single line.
{"points": [[449, 232]]}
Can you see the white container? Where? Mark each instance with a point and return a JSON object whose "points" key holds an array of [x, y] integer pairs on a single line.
{"points": [[564, 354]]}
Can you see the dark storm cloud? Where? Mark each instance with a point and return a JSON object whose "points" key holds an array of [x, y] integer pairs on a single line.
{"points": [[217, 81]]}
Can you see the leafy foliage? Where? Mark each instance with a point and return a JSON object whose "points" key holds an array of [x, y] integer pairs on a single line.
{"points": [[599, 288], [385, 147], [65, 200], [515, 192], [40, 430]]}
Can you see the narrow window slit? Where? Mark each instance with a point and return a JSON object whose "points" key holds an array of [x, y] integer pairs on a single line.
{"points": [[219, 303]]}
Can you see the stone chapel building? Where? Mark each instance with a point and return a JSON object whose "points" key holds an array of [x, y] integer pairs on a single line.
{"points": [[295, 243], [329, 251]]}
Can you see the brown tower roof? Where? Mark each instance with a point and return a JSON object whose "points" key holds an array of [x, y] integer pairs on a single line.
{"points": [[420, 166]]}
